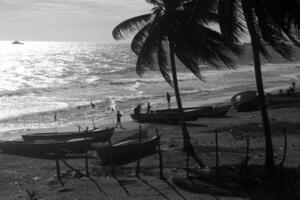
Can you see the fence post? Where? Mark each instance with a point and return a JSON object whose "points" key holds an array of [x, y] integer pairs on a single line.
{"points": [[137, 170], [217, 151], [160, 158]]}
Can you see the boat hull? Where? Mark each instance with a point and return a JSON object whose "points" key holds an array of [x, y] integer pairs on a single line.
{"points": [[173, 115], [100, 135], [44, 147], [127, 151]]}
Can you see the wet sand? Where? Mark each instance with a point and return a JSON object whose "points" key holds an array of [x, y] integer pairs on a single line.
{"points": [[19, 173]]}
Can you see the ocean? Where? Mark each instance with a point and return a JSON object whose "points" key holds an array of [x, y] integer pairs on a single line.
{"points": [[38, 79]]}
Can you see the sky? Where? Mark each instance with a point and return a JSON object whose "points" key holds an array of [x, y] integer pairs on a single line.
{"points": [[65, 20]]}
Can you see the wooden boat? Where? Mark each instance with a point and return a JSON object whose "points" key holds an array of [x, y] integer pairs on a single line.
{"points": [[172, 115], [100, 135], [245, 101], [249, 100], [78, 145], [127, 151], [135, 135]]}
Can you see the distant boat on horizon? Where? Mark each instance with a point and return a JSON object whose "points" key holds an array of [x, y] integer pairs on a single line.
{"points": [[17, 42]]}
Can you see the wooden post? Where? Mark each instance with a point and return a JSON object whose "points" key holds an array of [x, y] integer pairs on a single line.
{"points": [[58, 168], [87, 174], [217, 151], [282, 161], [110, 158], [137, 170], [187, 161], [247, 159], [160, 158]]}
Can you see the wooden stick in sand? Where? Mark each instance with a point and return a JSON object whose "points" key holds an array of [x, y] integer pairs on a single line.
{"points": [[111, 159], [160, 158], [217, 151], [87, 174], [187, 161], [137, 170], [58, 168], [282, 161], [247, 159]]}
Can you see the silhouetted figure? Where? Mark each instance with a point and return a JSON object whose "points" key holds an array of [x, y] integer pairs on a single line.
{"points": [[137, 109], [119, 115], [168, 100], [148, 107], [294, 86], [280, 92], [92, 105], [55, 117], [288, 92]]}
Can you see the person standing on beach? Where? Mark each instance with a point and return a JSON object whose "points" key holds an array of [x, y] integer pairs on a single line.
{"points": [[148, 107], [119, 115], [137, 109], [55, 117], [294, 86], [168, 100]]}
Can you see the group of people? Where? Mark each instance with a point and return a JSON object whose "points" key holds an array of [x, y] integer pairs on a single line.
{"points": [[290, 91]]}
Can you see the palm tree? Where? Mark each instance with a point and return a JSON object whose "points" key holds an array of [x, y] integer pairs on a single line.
{"points": [[168, 31], [272, 22]]}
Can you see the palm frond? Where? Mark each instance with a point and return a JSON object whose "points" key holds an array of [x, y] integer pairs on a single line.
{"points": [[148, 55], [163, 62], [129, 26], [231, 20], [271, 32], [155, 2], [139, 39]]}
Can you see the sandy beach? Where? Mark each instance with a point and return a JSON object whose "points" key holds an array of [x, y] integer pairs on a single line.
{"points": [[20, 174]]}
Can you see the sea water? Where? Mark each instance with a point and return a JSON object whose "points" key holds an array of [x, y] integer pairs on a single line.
{"points": [[38, 79]]}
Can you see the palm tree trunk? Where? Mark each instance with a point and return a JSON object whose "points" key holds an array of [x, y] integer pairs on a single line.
{"points": [[269, 161], [188, 148]]}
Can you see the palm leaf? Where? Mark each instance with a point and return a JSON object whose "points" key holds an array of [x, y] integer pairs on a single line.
{"points": [[129, 26], [148, 55], [231, 20], [163, 62], [139, 39]]}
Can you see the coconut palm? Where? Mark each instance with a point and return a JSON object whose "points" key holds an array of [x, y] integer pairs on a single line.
{"points": [[272, 22], [168, 31]]}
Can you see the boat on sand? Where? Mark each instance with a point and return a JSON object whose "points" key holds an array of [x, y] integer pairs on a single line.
{"points": [[127, 151], [190, 114], [99, 135], [249, 100], [78, 145]]}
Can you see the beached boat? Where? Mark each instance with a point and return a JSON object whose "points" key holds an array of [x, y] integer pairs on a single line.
{"points": [[249, 100], [17, 42], [127, 151], [190, 114], [245, 101], [99, 135], [78, 145]]}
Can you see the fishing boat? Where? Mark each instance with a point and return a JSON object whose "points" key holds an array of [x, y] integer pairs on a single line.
{"points": [[99, 135], [190, 114], [245, 101], [127, 151], [17, 42], [78, 145], [249, 100]]}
